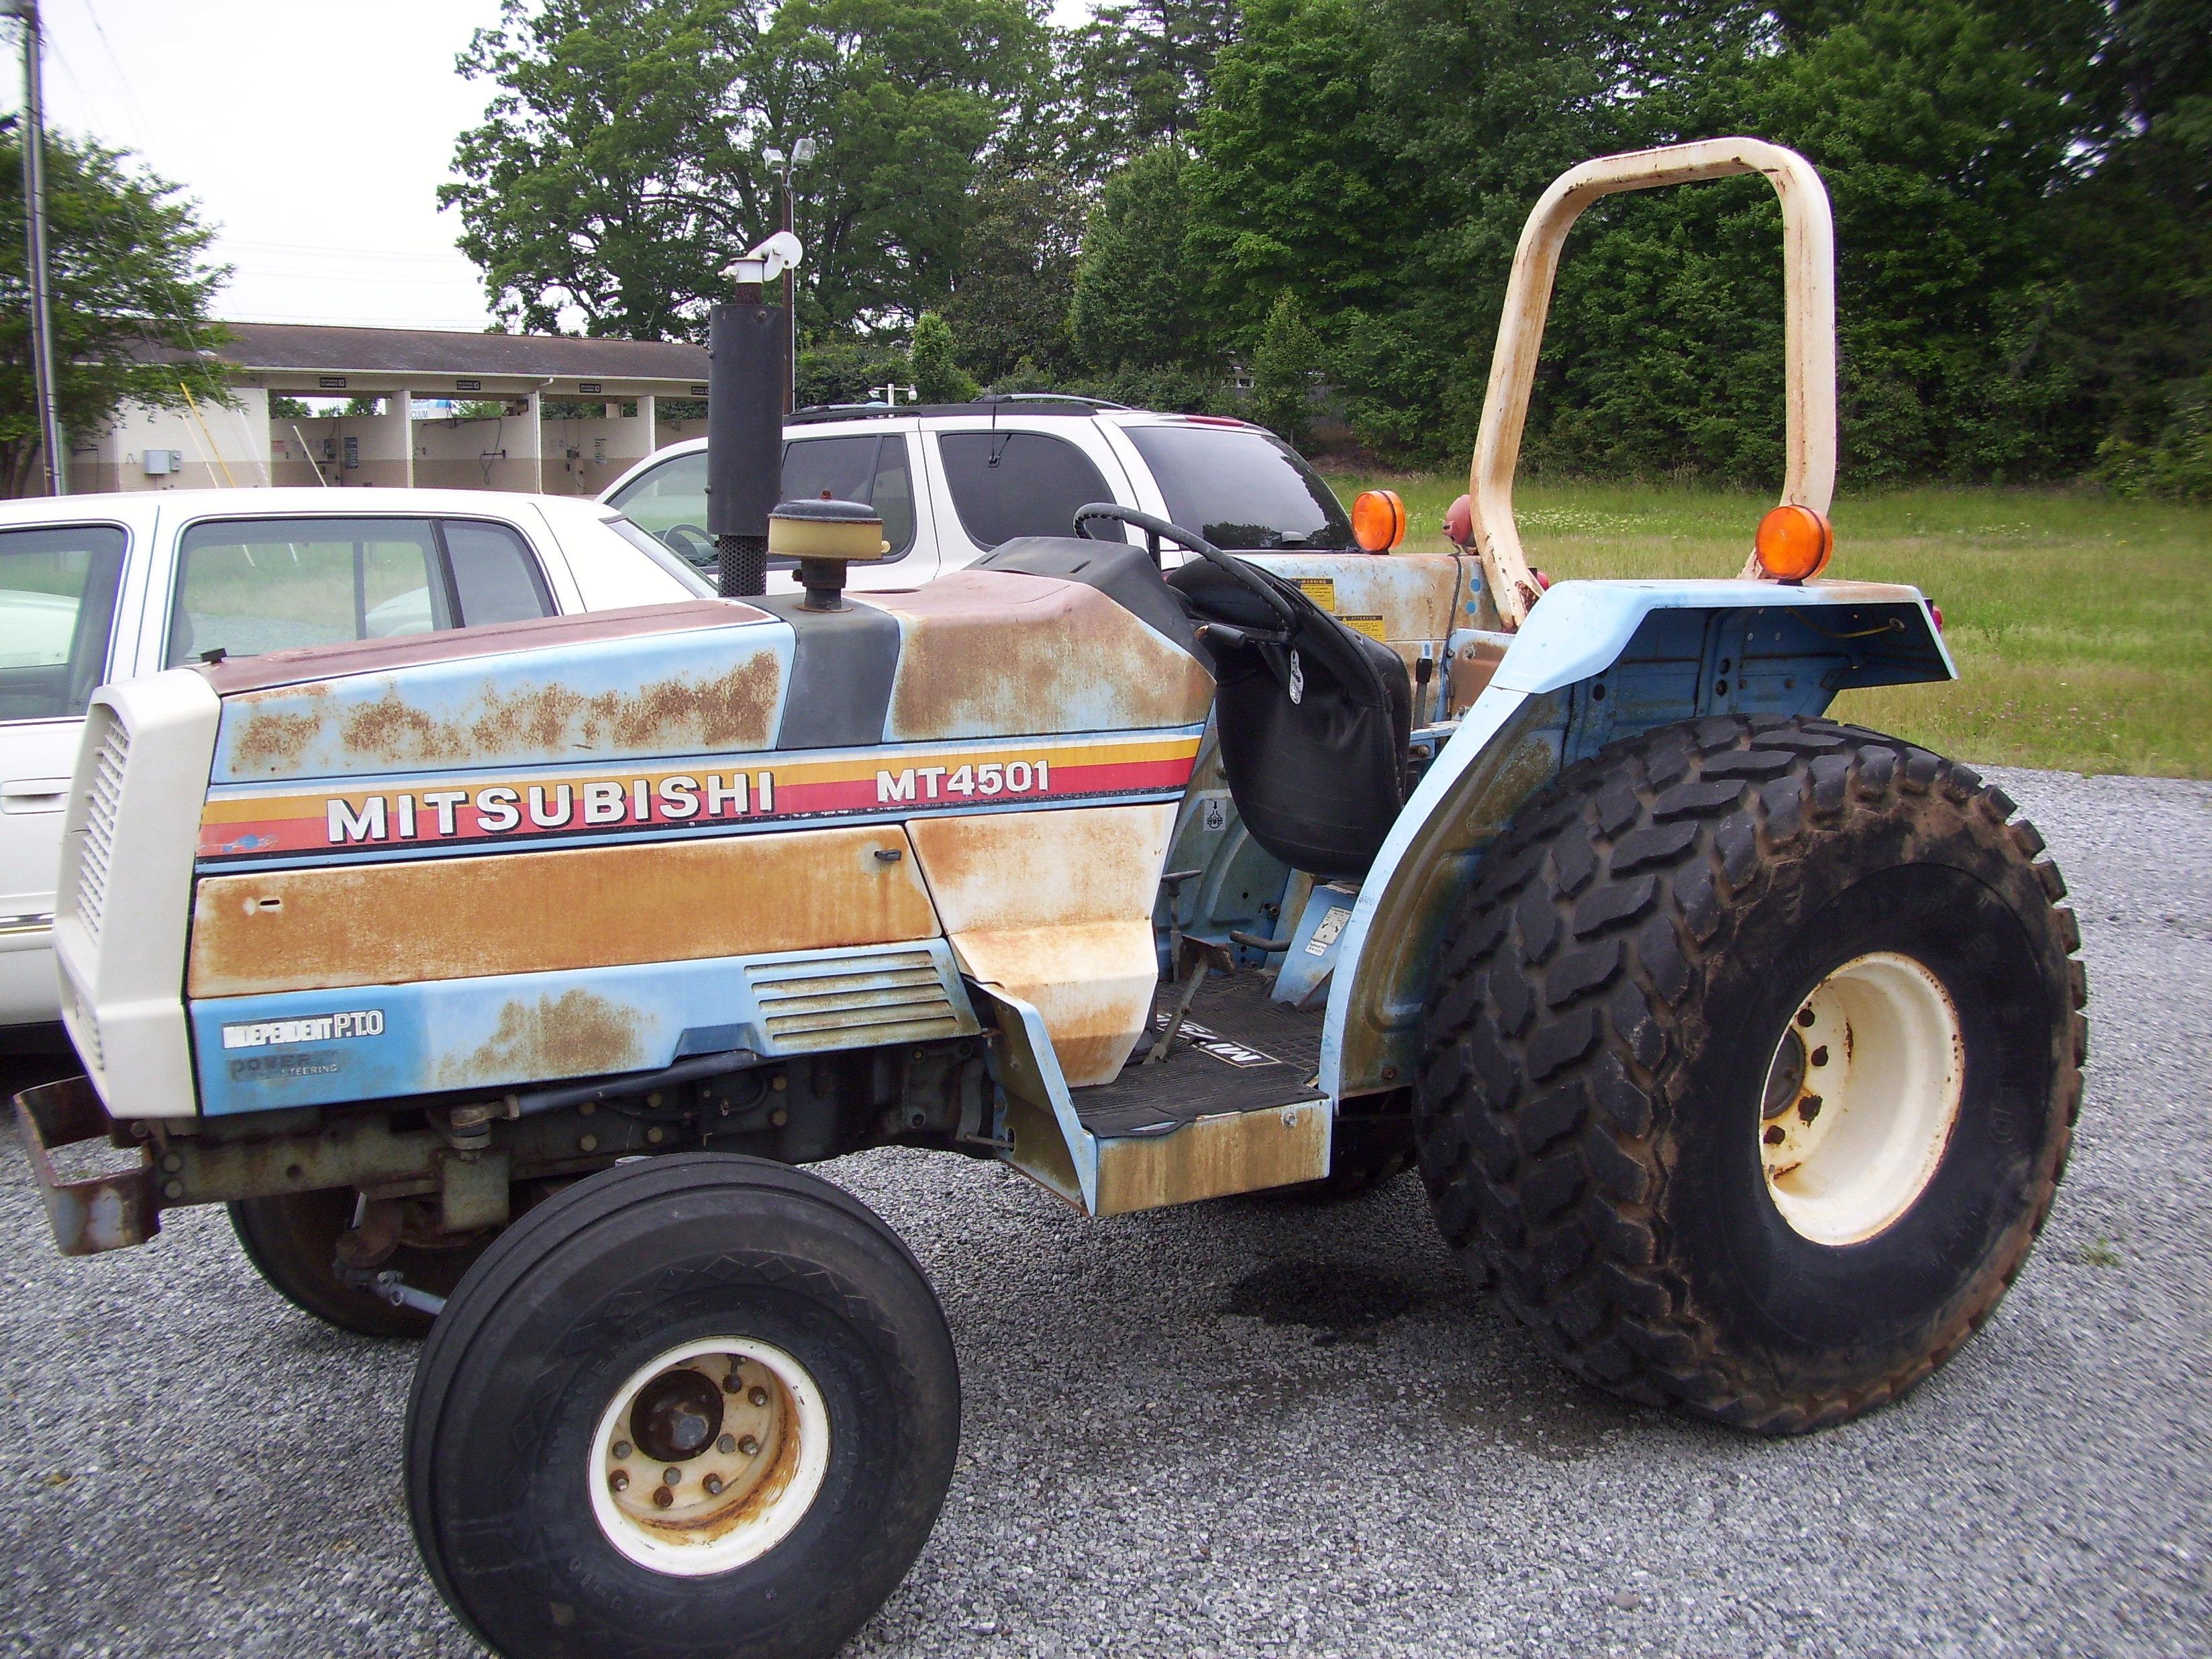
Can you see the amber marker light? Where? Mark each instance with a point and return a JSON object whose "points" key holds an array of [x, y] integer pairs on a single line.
{"points": [[1794, 544], [1378, 520]]}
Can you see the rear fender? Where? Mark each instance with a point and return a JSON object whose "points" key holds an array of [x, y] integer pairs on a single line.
{"points": [[1596, 662]]}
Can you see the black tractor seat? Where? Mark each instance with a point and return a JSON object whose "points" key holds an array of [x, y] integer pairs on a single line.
{"points": [[1313, 718]]}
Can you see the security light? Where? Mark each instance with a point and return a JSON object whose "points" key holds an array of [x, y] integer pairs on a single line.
{"points": [[802, 151], [773, 156]]}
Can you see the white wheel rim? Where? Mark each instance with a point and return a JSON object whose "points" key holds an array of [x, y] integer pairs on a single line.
{"points": [[1862, 1094], [755, 1471]]}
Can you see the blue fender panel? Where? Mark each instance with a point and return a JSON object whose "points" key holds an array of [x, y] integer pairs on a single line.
{"points": [[1594, 662]]}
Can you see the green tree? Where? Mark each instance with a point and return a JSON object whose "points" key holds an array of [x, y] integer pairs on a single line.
{"points": [[619, 167], [937, 376], [131, 293], [1136, 302], [1284, 366], [1015, 279], [1136, 74]]}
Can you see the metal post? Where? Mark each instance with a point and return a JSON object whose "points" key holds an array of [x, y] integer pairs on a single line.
{"points": [[34, 200], [790, 306]]}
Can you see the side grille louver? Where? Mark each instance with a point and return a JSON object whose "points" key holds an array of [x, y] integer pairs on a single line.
{"points": [[896, 997], [106, 800]]}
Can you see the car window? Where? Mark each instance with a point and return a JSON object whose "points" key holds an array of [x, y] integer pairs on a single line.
{"points": [[670, 501], [1006, 484], [871, 467], [58, 592], [867, 467], [1241, 488], [496, 575], [247, 585]]}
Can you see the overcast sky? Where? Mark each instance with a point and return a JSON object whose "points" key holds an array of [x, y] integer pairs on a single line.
{"points": [[315, 136]]}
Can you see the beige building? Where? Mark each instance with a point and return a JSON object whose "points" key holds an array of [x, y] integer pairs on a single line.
{"points": [[534, 412]]}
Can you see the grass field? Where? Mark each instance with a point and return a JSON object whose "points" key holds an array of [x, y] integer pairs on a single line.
{"points": [[2081, 625]]}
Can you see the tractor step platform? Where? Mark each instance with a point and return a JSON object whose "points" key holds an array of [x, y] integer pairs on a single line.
{"points": [[1234, 1052]]}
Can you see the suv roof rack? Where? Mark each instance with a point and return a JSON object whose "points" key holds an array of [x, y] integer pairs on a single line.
{"points": [[1037, 403]]}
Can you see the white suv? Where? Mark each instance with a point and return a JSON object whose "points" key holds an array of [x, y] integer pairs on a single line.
{"points": [[952, 481]]}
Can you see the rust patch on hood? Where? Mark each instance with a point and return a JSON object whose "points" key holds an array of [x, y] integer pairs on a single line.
{"points": [[274, 740], [992, 652], [564, 911], [734, 709], [576, 1034]]}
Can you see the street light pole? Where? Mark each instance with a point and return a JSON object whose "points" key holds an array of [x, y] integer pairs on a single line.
{"points": [[34, 201], [801, 153]]}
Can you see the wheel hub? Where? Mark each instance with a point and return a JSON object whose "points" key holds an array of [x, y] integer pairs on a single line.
{"points": [[708, 1455], [1860, 1097], [677, 1415]]}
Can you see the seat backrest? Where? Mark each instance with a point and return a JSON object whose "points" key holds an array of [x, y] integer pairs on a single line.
{"points": [[1313, 726]]}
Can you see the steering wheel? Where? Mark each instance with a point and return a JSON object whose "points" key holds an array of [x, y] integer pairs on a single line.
{"points": [[1154, 528], [691, 542]]}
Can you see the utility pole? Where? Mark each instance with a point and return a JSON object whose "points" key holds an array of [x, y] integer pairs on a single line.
{"points": [[34, 201], [801, 153]]}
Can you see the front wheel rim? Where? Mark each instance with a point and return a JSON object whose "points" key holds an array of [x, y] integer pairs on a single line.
{"points": [[1862, 1094], [741, 1426]]}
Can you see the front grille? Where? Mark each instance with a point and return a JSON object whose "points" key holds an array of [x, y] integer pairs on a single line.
{"points": [[899, 996], [104, 803]]}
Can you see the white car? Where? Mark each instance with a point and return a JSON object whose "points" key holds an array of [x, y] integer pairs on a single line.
{"points": [[953, 481], [95, 588]]}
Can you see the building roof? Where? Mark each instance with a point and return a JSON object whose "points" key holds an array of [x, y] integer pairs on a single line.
{"points": [[280, 348]]}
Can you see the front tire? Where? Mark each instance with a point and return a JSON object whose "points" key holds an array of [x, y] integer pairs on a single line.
{"points": [[1750, 1074], [698, 1405]]}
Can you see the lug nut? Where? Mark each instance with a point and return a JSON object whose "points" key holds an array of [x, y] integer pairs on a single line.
{"points": [[713, 1485], [662, 1497], [622, 1449], [758, 1396], [726, 1445], [749, 1446], [619, 1479], [673, 1477]]}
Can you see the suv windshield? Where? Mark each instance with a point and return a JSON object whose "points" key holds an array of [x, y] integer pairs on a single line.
{"points": [[1241, 488]]}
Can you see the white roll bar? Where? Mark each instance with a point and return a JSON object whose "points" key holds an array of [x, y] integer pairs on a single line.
{"points": [[1808, 287]]}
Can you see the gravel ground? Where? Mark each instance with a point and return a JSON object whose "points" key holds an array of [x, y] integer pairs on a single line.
{"points": [[1174, 1446]]}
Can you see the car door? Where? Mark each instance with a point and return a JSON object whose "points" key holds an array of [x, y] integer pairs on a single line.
{"points": [[995, 480], [61, 589]]}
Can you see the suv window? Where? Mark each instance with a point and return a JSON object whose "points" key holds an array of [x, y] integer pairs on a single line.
{"points": [[670, 500], [1241, 488], [1006, 484], [255, 585], [58, 592], [868, 467]]}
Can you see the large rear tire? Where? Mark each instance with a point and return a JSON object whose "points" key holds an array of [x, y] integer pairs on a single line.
{"points": [[1750, 1071], [695, 1406]]}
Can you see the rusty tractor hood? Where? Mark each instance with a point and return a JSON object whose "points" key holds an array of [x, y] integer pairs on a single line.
{"points": [[445, 737]]}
